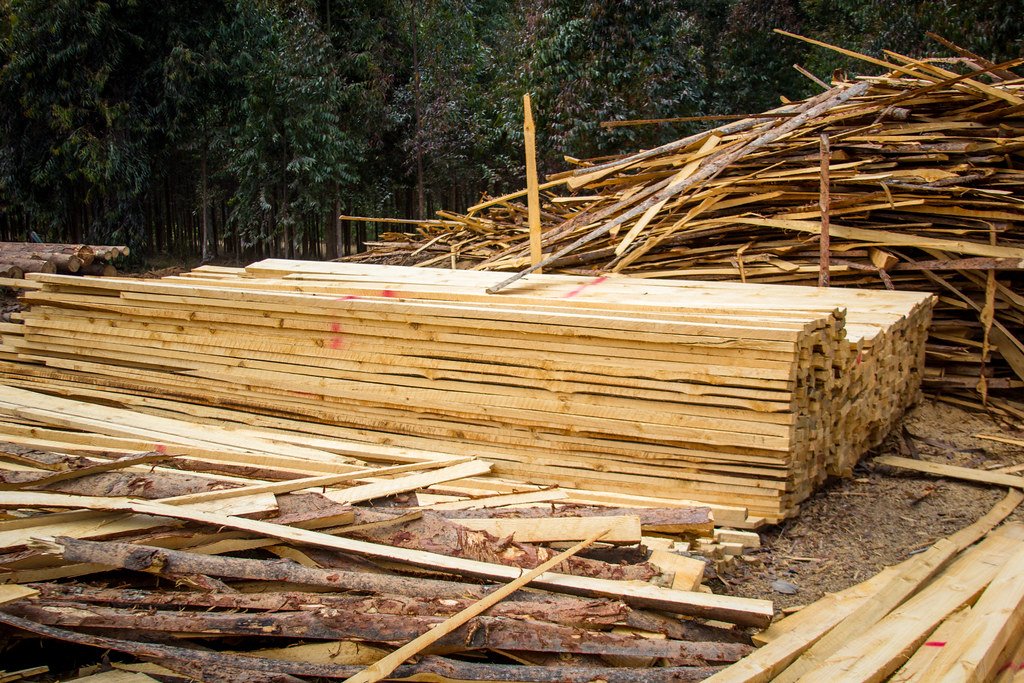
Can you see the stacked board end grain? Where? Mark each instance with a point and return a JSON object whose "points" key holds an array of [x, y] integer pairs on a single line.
{"points": [[716, 392]]}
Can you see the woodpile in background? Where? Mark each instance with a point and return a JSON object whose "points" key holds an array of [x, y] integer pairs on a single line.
{"points": [[925, 193], [18, 258], [723, 393], [208, 550]]}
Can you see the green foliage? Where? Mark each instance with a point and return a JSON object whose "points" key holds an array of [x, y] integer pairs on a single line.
{"points": [[134, 121], [591, 62], [285, 143], [79, 101]]}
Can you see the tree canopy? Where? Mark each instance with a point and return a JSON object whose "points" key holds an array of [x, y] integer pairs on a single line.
{"points": [[249, 125]]}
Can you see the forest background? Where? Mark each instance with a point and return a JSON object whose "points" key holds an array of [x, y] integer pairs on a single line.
{"points": [[220, 128]]}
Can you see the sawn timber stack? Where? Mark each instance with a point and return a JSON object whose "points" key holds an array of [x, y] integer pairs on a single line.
{"points": [[717, 392]]}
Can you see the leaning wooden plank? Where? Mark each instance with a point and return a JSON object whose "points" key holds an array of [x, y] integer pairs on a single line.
{"points": [[354, 494], [995, 622], [88, 523], [388, 664], [910, 576], [724, 608], [875, 655], [953, 471], [390, 487], [786, 640], [619, 529]]}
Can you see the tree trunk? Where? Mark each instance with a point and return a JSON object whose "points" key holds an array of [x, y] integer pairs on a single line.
{"points": [[204, 202], [418, 106]]}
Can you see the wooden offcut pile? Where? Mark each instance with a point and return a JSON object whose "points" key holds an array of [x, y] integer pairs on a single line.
{"points": [[924, 192], [730, 394], [18, 258], [953, 612], [226, 553]]}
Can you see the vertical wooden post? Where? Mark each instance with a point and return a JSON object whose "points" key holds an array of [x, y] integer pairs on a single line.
{"points": [[532, 186], [824, 201]]}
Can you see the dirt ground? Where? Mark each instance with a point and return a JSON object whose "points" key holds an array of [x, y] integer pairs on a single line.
{"points": [[852, 528]]}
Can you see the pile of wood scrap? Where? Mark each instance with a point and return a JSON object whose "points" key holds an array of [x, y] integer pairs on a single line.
{"points": [[18, 258], [954, 612], [737, 395], [221, 553], [915, 173]]}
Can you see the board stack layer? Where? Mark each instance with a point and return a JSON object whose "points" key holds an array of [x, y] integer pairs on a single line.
{"points": [[724, 393]]}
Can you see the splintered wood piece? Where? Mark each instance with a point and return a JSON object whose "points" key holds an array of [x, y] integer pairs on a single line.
{"points": [[953, 471]]}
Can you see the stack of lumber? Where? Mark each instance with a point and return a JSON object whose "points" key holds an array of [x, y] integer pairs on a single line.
{"points": [[18, 258], [729, 394], [220, 553], [917, 171], [954, 612]]}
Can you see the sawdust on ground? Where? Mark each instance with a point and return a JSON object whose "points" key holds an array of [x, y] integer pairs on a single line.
{"points": [[852, 528]]}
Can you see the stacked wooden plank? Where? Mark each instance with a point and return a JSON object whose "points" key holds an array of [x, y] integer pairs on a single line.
{"points": [[924, 193], [230, 545], [18, 258], [954, 612], [735, 395]]}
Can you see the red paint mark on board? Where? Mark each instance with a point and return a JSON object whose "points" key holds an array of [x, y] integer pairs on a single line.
{"points": [[935, 643], [160, 448], [387, 293], [859, 356], [337, 341], [595, 281], [348, 297]]}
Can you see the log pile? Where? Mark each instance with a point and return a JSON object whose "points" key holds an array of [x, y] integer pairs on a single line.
{"points": [[222, 553], [954, 612], [924, 193], [727, 394], [18, 258]]}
